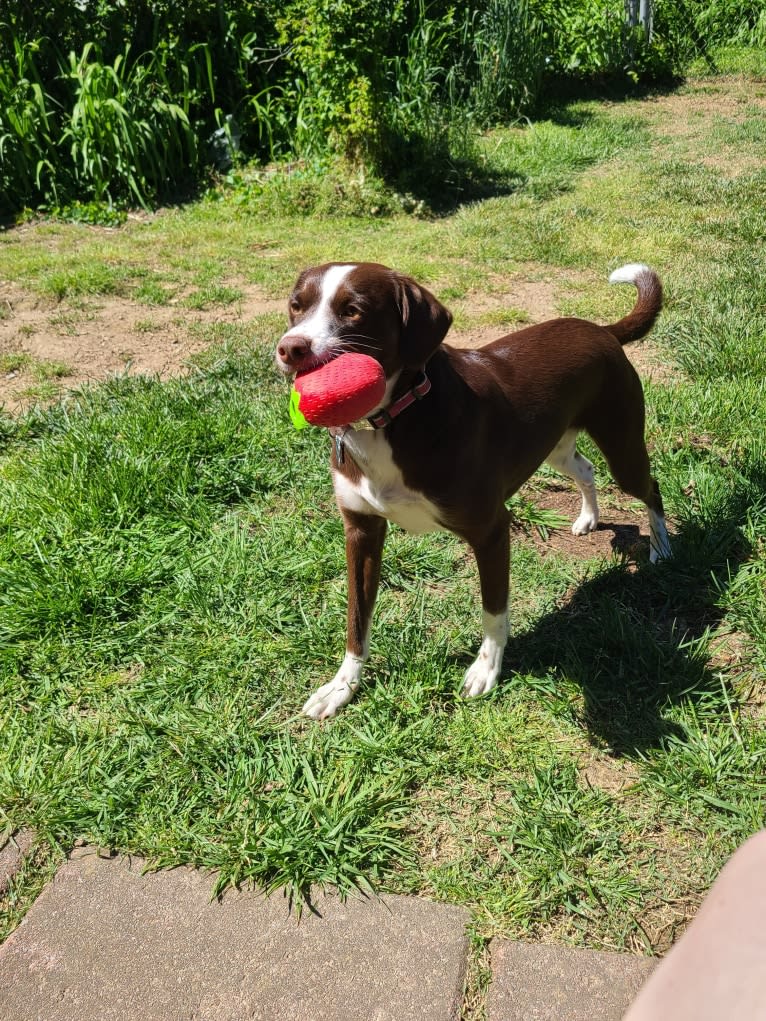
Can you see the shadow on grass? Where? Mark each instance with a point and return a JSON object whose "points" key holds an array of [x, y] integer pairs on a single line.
{"points": [[441, 166], [562, 100], [634, 641], [444, 185]]}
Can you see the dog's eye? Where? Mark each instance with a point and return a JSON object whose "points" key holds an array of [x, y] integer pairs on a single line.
{"points": [[352, 312], [295, 306]]}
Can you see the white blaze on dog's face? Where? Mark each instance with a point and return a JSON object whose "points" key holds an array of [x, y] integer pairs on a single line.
{"points": [[314, 319]]}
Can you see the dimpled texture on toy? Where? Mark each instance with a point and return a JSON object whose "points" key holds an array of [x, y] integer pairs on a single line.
{"points": [[339, 392]]}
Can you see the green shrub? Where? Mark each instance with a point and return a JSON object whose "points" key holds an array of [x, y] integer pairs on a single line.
{"points": [[125, 137], [335, 54], [115, 103], [319, 188], [27, 131], [591, 38]]}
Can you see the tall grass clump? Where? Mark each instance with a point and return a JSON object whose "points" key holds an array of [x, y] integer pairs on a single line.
{"points": [[740, 22], [27, 129], [424, 135], [125, 133], [117, 108], [456, 76], [118, 132], [507, 44]]}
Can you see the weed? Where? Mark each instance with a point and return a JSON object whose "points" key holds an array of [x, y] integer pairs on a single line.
{"points": [[148, 326], [16, 362], [503, 317], [97, 212], [41, 370], [74, 282], [153, 292], [213, 294]]}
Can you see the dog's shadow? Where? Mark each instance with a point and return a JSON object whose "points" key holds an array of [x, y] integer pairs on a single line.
{"points": [[625, 538], [632, 640]]}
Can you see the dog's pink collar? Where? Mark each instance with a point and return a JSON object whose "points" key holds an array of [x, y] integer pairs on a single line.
{"points": [[387, 415]]}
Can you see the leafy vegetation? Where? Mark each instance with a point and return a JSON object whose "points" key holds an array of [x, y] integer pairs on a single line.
{"points": [[114, 105]]}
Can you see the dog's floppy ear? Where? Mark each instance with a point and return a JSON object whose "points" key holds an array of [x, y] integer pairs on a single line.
{"points": [[425, 322]]}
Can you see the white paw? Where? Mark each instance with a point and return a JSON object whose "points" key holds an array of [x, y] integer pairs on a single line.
{"points": [[586, 522], [327, 700], [483, 674]]}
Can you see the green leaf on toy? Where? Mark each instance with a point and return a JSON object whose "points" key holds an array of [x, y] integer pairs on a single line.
{"points": [[295, 412]]}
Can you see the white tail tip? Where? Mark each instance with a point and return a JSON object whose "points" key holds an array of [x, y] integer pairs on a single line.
{"points": [[628, 274]]}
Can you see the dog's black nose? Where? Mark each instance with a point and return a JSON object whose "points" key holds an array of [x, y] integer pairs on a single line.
{"points": [[293, 351]]}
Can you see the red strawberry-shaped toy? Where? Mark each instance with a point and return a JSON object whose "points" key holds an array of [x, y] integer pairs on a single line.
{"points": [[339, 392]]}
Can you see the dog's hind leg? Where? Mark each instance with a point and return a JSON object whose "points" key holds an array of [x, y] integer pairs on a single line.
{"points": [[625, 451], [364, 548], [493, 554], [566, 458]]}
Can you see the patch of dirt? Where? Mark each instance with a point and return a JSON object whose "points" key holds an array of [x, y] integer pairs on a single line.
{"points": [[103, 337], [730, 651], [687, 115], [623, 529], [534, 293], [663, 922], [612, 775], [680, 113], [649, 362]]}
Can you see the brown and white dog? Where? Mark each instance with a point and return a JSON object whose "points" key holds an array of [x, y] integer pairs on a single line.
{"points": [[459, 431]]}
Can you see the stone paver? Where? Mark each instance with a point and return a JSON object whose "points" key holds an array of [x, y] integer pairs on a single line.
{"points": [[532, 982], [12, 855], [104, 943]]}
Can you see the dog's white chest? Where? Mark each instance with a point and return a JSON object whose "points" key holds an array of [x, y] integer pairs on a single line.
{"points": [[381, 489]]}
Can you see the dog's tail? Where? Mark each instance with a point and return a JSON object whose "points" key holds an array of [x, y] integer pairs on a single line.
{"points": [[638, 322]]}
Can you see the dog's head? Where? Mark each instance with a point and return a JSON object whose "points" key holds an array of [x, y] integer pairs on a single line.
{"points": [[362, 307]]}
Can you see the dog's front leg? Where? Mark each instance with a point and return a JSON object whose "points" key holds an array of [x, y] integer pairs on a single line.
{"points": [[493, 559], [364, 548]]}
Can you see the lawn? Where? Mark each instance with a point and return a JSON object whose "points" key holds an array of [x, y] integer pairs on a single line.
{"points": [[172, 571]]}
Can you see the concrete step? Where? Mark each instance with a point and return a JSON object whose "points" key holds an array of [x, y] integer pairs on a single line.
{"points": [[541, 982], [105, 943]]}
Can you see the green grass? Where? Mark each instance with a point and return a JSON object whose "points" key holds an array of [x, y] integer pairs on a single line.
{"points": [[40, 370], [172, 580], [212, 295]]}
